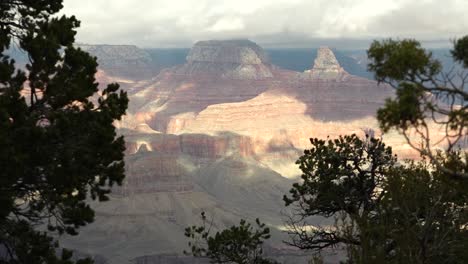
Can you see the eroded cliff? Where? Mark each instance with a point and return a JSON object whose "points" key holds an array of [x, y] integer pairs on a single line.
{"points": [[233, 59]]}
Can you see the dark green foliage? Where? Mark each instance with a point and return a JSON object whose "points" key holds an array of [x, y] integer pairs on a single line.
{"points": [[424, 211], [402, 60], [32, 247], [423, 216], [405, 111], [58, 145], [340, 179], [384, 212], [425, 95], [240, 244], [460, 51], [342, 172]]}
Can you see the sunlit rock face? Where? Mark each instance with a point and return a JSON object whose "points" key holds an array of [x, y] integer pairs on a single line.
{"points": [[204, 100], [274, 116], [122, 61], [232, 59], [203, 115], [325, 66], [326, 61], [215, 72]]}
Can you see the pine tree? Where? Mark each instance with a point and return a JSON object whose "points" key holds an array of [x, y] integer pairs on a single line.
{"points": [[58, 144]]}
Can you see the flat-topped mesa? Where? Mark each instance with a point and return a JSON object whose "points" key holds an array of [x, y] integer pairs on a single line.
{"points": [[116, 53], [127, 61], [326, 66], [232, 59]]}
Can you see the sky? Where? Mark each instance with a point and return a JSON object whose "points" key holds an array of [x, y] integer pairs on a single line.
{"points": [[343, 24]]}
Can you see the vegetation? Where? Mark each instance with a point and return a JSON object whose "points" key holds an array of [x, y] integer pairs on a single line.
{"points": [[58, 147], [384, 212], [240, 244], [425, 96], [341, 178]]}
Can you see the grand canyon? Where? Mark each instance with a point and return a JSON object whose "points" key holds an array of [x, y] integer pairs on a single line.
{"points": [[237, 132], [218, 134]]}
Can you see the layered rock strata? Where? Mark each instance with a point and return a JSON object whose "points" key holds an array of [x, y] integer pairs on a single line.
{"points": [[234, 59]]}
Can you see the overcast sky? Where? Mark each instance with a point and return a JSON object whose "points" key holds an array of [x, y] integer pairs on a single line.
{"points": [[271, 23]]}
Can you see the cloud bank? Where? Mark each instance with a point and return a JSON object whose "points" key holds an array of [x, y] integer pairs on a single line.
{"points": [[295, 23]]}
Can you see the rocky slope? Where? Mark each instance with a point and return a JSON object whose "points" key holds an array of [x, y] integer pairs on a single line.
{"points": [[220, 134]]}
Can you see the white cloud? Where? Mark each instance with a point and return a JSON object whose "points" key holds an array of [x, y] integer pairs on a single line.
{"points": [[227, 24], [154, 23]]}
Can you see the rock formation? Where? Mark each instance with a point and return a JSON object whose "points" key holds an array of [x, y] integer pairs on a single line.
{"points": [[207, 116], [235, 59], [199, 97], [326, 61], [127, 61], [215, 72], [326, 66]]}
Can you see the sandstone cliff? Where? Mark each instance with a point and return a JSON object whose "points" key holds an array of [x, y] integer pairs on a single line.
{"points": [[203, 99], [235, 59], [273, 117], [325, 66]]}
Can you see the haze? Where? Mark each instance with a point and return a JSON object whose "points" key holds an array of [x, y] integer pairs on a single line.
{"points": [[345, 24]]}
